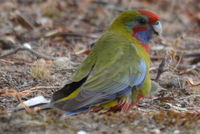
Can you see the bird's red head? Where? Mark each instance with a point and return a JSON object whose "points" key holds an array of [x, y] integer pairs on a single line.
{"points": [[148, 24], [140, 24], [153, 18]]}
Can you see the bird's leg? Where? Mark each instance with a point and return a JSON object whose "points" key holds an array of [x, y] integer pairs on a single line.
{"points": [[96, 109], [119, 106], [123, 105], [127, 105]]}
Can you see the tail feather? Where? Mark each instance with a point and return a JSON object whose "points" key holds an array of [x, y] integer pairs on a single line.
{"points": [[81, 110], [38, 101]]}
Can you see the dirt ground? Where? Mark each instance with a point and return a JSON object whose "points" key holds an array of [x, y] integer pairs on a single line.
{"points": [[67, 29]]}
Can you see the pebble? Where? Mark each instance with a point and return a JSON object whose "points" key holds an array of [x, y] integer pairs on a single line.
{"points": [[176, 132], [81, 132], [156, 131]]}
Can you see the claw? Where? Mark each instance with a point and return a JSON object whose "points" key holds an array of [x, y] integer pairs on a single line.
{"points": [[122, 106], [126, 107], [96, 109]]}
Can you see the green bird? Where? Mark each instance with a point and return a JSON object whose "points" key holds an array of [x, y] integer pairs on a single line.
{"points": [[116, 72]]}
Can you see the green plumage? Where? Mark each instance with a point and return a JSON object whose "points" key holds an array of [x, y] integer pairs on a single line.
{"points": [[116, 69]]}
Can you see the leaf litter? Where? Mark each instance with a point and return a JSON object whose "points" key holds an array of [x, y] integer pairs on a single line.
{"points": [[62, 33]]}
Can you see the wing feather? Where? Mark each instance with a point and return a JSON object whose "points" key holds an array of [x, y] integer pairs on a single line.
{"points": [[117, 69]]}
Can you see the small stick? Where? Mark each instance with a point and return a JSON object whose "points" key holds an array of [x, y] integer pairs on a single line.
{"points": [[72, 34], [161, 68], [24, 48], [188, 70], [191, 55]]}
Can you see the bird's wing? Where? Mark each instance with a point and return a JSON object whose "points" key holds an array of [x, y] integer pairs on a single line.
{"points": [[116, 69], [77, 80]]}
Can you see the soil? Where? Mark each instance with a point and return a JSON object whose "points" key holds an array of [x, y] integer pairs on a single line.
{"points": [[68, 28]]}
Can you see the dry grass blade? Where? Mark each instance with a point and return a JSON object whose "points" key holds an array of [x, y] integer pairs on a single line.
{"points": [[23, 21], [161, 68], [18, 96], [13, 93], [45, 87], [188, 70], [191, 82]]}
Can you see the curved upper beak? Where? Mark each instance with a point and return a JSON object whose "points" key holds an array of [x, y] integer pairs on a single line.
{"points": [[157, 27]]}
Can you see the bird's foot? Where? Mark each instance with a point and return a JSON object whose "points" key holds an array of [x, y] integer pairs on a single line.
{"points": [[122, 106], [126, 107]]}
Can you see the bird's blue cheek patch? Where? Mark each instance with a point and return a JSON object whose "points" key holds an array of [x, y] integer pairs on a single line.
{"points": [[144, 36]]}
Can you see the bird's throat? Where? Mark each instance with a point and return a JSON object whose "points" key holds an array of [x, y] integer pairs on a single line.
{"points": [[143, 37], [145, 46]]}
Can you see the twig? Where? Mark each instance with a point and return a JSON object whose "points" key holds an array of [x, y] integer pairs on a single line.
{"points": [[28, 110], [190, 96], [45, 87], [6, 61], [191, 55], [153, 68], [18, 96], [156, 58], [23, 21], [72, 34], [24, 48], [188, 70], [191, 82], [161, 68]]}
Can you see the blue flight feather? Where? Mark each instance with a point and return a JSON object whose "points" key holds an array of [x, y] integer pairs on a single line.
{"points": [[138, 80], [85, 109]]}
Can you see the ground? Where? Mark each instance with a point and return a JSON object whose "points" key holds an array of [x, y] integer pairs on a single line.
{"points": [[67, 29]]}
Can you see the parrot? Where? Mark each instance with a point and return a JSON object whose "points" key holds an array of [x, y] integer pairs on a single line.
{"points": [[115, 75]]}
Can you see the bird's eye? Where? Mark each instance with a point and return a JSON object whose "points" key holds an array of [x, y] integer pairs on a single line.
{"points": [[157, 23], [142, 21]]}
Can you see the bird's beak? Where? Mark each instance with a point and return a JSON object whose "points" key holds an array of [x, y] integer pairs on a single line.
{"points": [[157, 27]]}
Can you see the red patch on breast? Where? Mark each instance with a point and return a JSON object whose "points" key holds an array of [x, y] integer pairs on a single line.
{"points": [[146, 47]]}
